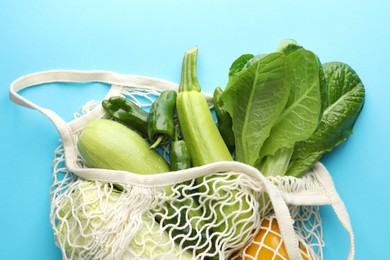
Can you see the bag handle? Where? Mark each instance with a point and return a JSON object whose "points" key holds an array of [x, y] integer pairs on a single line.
{"points": [[66, 129], [337, 204], [329, 197], [108, 77]]}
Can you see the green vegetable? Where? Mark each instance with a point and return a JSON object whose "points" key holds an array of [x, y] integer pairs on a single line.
{"points": [[225, 124], [240, 63], [267, 100], [255, 97], [161, 127], [127, 112], [91, 206], [179, 154], [207, 146], [299, 118], [196, 122], [108, 144], [288, 109], [288, 46], [254, 59], [345, 99]]}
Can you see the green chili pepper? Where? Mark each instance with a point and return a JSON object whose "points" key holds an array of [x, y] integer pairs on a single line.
{"points": [[161, 127], [179, 154], [225, 123], [127, 112]]}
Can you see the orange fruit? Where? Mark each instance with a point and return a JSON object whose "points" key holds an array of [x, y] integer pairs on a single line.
{"points": [[268, 244]]}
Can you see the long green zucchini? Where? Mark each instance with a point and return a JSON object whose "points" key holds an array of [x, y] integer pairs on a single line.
{"points": [[207, 146]]}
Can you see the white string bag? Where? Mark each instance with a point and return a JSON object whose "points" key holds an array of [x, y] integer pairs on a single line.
{"points": [[93, 219]]}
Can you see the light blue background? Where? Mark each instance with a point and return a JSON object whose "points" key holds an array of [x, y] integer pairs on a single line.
{"points": [[149, 38]]}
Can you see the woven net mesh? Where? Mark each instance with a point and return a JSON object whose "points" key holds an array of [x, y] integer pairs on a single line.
{"points": [[216, 216]]}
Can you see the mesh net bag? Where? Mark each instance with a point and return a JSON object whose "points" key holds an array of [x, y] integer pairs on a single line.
{"points": [[224, 210]]}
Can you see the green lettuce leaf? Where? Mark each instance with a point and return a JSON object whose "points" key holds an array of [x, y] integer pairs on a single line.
{"points": [[239, 64], [300, 117], [255, 97], [345, 100]]}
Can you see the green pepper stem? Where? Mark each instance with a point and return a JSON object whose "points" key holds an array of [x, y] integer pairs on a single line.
{"points": [[156, 143], [189, 80]]}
